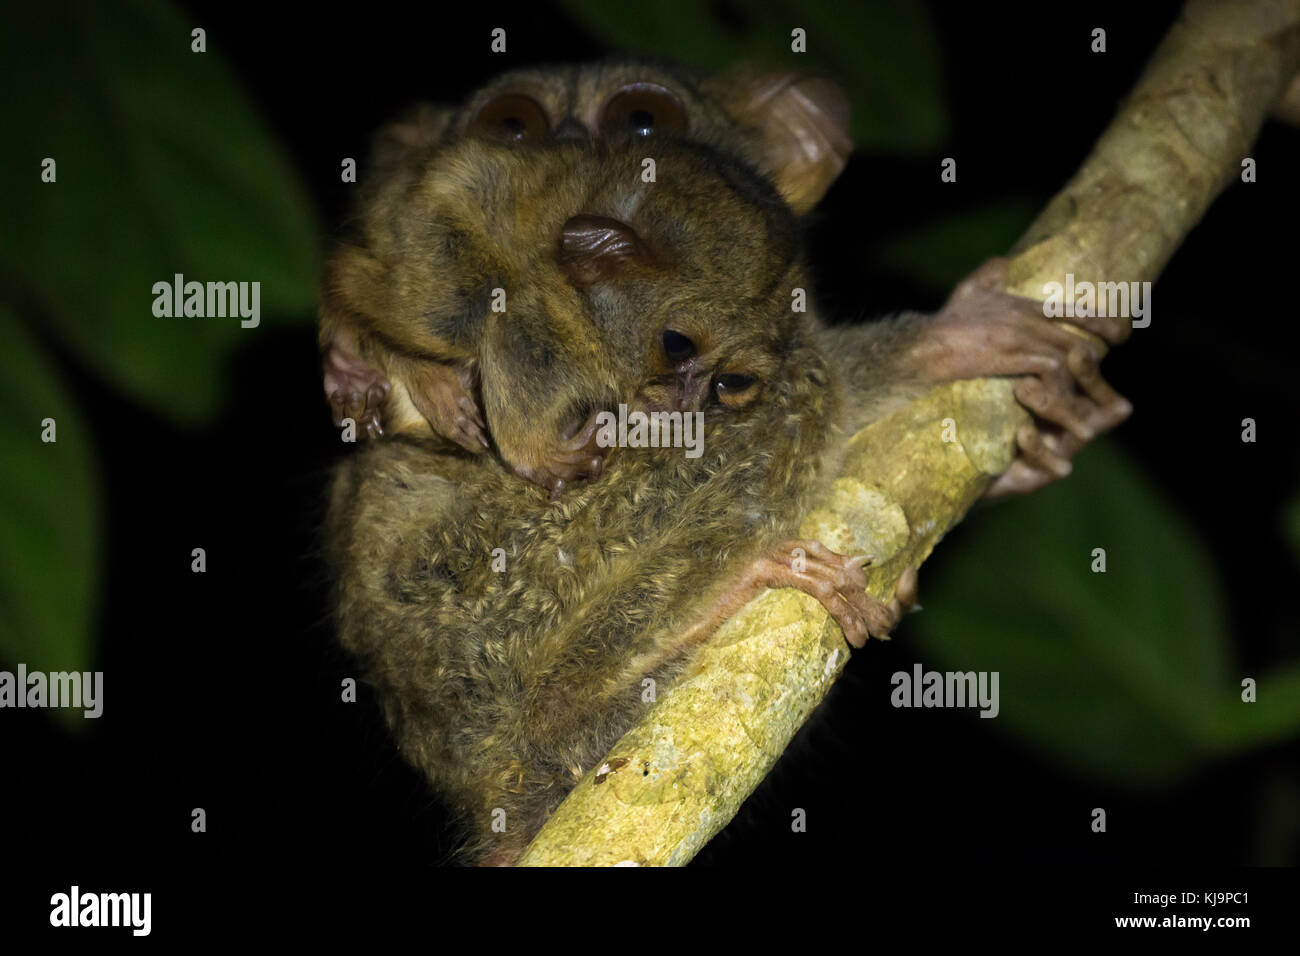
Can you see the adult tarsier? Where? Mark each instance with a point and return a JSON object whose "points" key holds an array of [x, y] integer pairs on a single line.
{"points": [[509, 582]]}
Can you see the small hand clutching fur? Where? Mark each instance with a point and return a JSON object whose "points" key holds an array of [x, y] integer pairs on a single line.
{"points": [[508, 583]]}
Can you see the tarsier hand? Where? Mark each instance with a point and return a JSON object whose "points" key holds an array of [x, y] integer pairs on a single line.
{"points": [[442, 392], [982, 330], [354, 390], [576, 456], [444, 395]]}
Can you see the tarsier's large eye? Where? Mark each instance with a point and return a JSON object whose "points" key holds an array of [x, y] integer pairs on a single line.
{"points": [[642, 109], [511, 117], [735, 390]]}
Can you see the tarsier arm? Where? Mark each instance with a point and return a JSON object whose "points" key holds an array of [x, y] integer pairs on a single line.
{"points": [[984, 332]]}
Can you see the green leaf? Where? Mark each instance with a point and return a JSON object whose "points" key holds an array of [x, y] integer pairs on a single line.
{"points": [[49, 515], [162, 167], [1121, 675], [884, 53], [1273, 716]]}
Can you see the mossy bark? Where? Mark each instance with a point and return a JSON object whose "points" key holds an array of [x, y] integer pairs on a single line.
{"points": [[676, 779]]}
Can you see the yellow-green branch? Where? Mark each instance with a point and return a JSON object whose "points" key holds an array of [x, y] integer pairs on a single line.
{"points": [[676, 779]]}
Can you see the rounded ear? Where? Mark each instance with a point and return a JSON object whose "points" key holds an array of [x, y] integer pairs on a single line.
{"points": [[802, 121], [418, 129]]}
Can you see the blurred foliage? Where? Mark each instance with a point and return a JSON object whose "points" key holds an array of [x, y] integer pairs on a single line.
{"points": [[883, 52], [49, 517], [163, 167], [1124, 675]]}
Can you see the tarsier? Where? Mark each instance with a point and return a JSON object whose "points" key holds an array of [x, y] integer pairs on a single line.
{"points": [[509, 583]]}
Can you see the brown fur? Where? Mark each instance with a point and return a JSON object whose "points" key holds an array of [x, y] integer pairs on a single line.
{"points": [[504, 687]]}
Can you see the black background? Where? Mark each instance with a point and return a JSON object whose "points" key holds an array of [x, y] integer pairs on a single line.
{"points": [[223, 688]]}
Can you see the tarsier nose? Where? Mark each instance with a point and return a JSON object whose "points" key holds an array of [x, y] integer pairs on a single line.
{"points": [[592, 248], [570, 129]]}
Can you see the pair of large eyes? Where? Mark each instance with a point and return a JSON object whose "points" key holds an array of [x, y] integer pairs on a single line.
{"points": [[641, 109], [732, 389]]}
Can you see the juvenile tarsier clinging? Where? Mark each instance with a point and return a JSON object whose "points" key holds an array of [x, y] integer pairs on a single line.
{"points": [[508, 581]]}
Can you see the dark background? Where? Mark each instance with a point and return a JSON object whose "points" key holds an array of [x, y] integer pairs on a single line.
{"points": [[222, 689]]}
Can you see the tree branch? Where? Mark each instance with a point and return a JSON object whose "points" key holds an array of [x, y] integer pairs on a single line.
{"points": [[676, 779]]}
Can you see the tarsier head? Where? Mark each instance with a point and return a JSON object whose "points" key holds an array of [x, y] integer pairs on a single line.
{"points": [[668, 295], [582, 237]]}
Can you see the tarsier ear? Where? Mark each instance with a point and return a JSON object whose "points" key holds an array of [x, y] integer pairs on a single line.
{"points": [[803, 122], [592, 248], [418, 129]]}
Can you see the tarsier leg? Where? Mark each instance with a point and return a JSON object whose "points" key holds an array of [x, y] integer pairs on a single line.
{"points": [[354, 389], [838, 582], [983, 331]]}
